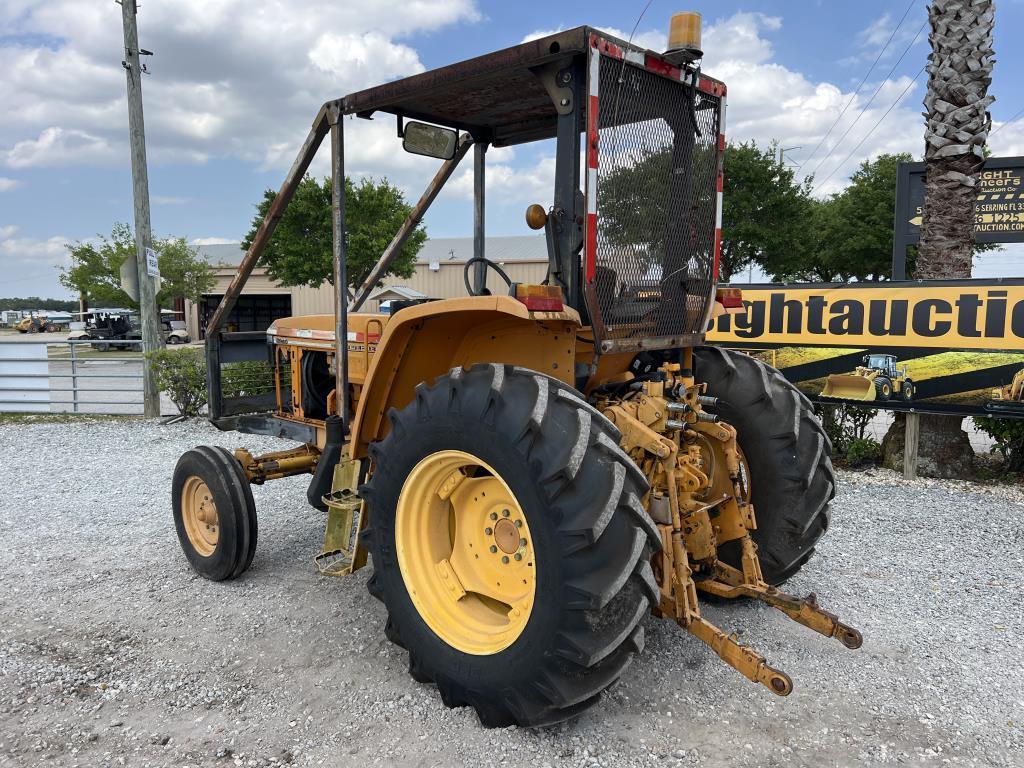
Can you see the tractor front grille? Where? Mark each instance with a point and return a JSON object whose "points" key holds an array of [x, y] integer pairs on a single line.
{"points": [[652, 277]]}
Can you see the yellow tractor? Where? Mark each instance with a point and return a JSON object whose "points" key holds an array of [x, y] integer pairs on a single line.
{"points": [[532, 469], [34, 324], [877, 379]]}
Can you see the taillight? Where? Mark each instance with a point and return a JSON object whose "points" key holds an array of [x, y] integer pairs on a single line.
{"points": [[540, 298], [730, 298]]}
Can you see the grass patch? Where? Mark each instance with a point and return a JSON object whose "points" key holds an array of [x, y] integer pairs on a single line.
{"points": [[62, 418]]}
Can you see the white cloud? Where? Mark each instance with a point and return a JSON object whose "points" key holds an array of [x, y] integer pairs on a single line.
{"points": [[236, 78], [6, 184], [243, 79], [212, 241], [508, 182], [770, 102], [1007, 139], [650, 39], [877, 32], [30, 264], [59, 147]]}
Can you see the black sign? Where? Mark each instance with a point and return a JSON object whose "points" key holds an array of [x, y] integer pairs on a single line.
{"points": [[998, 206]]}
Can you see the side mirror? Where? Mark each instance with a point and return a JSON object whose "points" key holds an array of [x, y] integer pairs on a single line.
{"points": [[429, 140]]}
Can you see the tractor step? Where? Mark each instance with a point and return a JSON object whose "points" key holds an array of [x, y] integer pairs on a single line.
{"points": [[341, 553]]}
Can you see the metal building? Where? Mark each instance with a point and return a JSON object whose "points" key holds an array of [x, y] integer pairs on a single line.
{"points": [[439, 275]]}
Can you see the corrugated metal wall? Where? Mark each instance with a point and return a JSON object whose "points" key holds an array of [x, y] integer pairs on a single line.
{"points": [[446, 282]]}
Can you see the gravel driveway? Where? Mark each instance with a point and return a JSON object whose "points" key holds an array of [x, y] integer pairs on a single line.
{"points": [[113, 653]]}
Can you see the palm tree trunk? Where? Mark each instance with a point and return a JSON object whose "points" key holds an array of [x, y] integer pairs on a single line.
{"points": [[957, 125]]}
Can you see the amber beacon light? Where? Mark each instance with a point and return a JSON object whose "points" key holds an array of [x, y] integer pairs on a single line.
{"points": [[684, 37]]}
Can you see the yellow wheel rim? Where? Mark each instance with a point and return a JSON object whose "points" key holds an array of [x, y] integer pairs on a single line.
{"points": [[199, 514], [465, 552]]}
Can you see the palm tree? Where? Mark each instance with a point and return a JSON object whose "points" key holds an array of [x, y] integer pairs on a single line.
{"points": [[956, 129], [957, 124]]}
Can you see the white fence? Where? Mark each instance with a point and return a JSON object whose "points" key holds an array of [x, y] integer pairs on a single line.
{"points": [[70, 377]]}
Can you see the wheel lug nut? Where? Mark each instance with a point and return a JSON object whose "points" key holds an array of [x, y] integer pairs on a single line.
{"points": [[494, 515], [504, 559], [518, 556], [519, 523], [488, 531], [522, 542], [493, 548], [505, 513]]}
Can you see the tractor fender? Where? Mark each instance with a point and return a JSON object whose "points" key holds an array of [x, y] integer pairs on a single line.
{"points": [[427, 340]]}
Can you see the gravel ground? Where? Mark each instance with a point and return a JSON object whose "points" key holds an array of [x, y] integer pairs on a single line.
{"points": [[113, 653]]}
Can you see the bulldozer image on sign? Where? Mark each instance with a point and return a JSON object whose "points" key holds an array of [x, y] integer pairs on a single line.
{"points": [[532, 469], [877, 379], [1009, 397]]}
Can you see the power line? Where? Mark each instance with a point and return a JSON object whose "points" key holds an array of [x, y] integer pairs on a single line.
{"points": [[868, 134], [1019, 113], [871, 100], [863, 80]]}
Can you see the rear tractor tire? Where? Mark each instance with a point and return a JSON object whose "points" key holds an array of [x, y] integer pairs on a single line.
{"points": [[787, 452], [214, 513], [509, 544]]}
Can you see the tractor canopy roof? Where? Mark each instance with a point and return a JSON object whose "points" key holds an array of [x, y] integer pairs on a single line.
{"points": [[497, 97]]}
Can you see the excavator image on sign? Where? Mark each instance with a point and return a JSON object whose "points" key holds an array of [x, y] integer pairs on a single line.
{"points": [[533, 469]]}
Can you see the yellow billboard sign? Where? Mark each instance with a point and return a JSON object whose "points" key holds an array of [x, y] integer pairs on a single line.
{"points": [[963, 315]]}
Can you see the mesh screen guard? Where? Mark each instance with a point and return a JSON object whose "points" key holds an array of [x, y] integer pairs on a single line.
{"points": [[653, 181]]}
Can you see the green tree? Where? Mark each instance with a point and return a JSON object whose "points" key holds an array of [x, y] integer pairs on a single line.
{"points": [[765, 212], [34, 302], [855, 227], [766, 215], [95, 270], [299, 253]]}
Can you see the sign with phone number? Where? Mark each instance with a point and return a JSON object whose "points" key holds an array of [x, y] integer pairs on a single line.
{"points": [[998, 203]]}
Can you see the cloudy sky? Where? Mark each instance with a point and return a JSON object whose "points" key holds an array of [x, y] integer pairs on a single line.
{"points": [[235, 84]]}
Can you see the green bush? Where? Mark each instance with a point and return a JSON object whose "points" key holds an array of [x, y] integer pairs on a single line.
{"points": [[181, 373], [846, 426], [861, 451], [1008, 435]]}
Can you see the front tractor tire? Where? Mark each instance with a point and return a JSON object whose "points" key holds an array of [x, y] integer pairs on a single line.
{"points": [[787, 452], [883, 388], [509, 544], [214, 513]]}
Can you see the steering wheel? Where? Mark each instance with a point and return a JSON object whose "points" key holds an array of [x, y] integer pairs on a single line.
{"points": [[490, 264]]}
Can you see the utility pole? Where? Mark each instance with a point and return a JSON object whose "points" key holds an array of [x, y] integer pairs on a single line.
{"points": [[140, 191], [783, 151]]}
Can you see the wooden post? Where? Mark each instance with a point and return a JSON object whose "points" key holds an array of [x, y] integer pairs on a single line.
{"points": [[911, 432], [149, 314]]}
